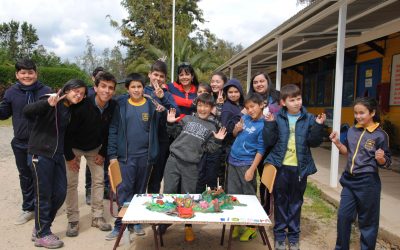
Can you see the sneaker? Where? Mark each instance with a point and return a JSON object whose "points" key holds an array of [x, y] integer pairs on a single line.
{"points": [[137, 228], [294, 246], [236, 232], [88, 196], [248, 234], [72, 229], [189, 235], [100, 223], [24, 217], [113, 234], [49, 241], [280, 245], [162, 228]]}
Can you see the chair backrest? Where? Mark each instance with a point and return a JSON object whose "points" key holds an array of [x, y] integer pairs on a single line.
{"points": [[268, 176], [114, 172]]}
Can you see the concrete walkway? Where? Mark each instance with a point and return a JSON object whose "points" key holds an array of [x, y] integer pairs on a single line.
{"points": [[390, 197]]}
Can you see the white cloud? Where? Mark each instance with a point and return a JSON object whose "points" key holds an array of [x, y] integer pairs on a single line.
{"points": [[63, 26]]}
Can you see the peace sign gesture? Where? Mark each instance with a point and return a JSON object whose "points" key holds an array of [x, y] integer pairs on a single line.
{"points": [[55, 98], [220, 99], [159, 92]]}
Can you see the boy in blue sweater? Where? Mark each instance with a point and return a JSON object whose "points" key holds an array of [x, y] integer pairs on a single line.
{"points": [[246, 153], [26, 90], [291, 133]]}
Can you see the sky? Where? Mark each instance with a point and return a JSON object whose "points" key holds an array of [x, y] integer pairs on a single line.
{"points": [[64, 26]]}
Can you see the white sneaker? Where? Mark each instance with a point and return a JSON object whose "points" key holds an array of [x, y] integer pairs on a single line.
{"points": [[24, 217]]}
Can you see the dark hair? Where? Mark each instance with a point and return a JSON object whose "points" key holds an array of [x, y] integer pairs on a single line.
{"points": [[97, 70], [134, 77], [254, 97], [271, 91], [188, 69], [371, 104], [73, 84], [290, 90], [205, 86], [105, 76], [25, 63], [160, 66], [206, 98], [221, 74]]}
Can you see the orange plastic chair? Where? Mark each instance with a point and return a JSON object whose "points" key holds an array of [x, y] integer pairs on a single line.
{"points": [[114, 172]]}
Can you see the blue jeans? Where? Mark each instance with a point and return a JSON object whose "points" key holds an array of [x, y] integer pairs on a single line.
{"points": [[360, 196]]}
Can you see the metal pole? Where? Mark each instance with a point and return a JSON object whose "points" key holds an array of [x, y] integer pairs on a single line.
{"points": [[279, 64], [337, 105], [248, 74], [173, 42]]}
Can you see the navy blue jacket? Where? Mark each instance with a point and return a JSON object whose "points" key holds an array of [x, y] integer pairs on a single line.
{"points": [[308, 134], [14, 101], [117, 138]]}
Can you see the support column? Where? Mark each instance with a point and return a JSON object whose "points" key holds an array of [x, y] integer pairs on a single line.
{"points": [[248, 74], [279, 64], [337, 105], [230, 72]]}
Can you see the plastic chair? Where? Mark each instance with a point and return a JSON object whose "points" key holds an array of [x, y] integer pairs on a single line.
{"points": [[114, 172], [268, 179]]}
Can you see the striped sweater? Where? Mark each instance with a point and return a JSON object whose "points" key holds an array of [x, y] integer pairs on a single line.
{"points": [[183, 99]]}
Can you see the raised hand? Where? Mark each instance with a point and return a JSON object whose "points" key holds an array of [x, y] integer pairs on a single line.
{"points": [[239, 125], [221, 133], [270, 117], [334, 137], [320, 119], [55, 98], [220, 99], [159, 92], [171, 116]]}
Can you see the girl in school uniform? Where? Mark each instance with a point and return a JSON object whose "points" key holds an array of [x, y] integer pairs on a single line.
{"points": [[367, 150]]}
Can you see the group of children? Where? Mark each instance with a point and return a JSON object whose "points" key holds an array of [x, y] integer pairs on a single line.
{"points": [[184, 133]]}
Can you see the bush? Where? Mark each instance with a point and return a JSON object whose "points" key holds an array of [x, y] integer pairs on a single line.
{"points": [[51, 76]]}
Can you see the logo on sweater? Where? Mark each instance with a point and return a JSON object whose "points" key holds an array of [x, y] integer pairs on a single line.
{"points": [[250, 130], [369, 144], [145, 117]]}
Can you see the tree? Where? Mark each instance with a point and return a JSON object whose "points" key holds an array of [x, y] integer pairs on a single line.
{"points": [[89, 60], [43, 58]]}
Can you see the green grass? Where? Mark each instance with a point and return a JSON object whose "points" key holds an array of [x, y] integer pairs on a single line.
{"points": [[5, 122], [315, 204]]}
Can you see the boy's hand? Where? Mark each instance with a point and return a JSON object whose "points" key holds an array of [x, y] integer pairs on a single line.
{"points": [[220, 99], [320, 119], [171, 116], [159, 92], [73, 165], [221, 133], [55, 98], [99, 160], [239, 125], [380, 156], [270, 117], [334, 137], [244, 111], [249, 175]]}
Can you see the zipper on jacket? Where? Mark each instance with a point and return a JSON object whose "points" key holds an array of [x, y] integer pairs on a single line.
{"points": [[55, 150], [355, 152]]}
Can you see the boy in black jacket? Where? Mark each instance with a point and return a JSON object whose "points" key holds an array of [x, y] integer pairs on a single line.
{"points": [[26, 90], [87, 135], [46, 151]]}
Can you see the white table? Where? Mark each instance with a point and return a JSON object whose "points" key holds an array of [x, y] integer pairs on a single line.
{"points": [[253, 214]]}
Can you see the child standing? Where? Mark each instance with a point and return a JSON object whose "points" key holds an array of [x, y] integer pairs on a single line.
{"points": [[367, 149], [194, 134], [133, 142], [46, 151], [291, 133], [26, 90], [246, 153]]}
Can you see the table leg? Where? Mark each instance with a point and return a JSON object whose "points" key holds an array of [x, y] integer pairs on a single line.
{"points": [[121, 231], [222, 235], [230, 237], [153, 226], [260, 229], [265, 236]]}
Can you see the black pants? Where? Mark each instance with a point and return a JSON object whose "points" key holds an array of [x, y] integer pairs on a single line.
{"points": [[25, 175], [360, 195], [157, 173], [288, 194], [50, 185], [208, 171]]}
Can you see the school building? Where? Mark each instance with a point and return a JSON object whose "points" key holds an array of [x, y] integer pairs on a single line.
{"points": [[335, 51]]}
